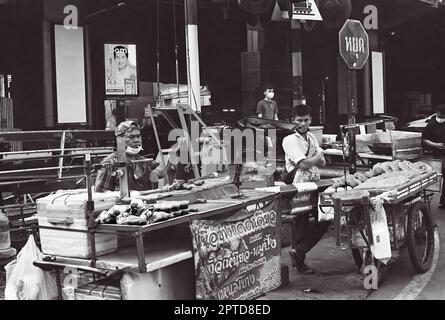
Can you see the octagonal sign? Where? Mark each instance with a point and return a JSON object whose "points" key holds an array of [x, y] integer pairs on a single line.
{"points": [[354, 44]]}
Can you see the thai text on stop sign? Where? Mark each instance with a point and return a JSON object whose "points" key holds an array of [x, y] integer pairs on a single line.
{"points": [[354, 44]]}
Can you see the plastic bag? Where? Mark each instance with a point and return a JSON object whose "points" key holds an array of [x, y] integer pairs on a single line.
{"points": [[9, 268], [27, 282], [382, 242]]}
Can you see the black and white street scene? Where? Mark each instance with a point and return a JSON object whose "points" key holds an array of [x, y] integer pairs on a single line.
{"points": [[221, 150]]}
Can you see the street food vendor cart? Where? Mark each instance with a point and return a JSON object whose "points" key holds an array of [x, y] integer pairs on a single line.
{"points": [[407, 216], [155, 260]]}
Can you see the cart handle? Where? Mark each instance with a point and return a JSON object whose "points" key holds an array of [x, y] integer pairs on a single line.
{"points": [[48, 266], [67, 221]]}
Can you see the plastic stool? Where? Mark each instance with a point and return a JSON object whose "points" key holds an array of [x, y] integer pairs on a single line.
{"points": [[359, 198]]}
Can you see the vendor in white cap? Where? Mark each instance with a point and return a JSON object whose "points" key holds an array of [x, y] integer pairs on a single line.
{"points": [[141, 176]]}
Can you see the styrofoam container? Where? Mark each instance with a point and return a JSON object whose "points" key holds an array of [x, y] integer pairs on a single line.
{"points": [[73, 203], [63, 224], [73, 244]]}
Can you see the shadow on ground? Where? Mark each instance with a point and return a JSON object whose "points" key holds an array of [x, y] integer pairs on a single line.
{"points": [[336, 277]]}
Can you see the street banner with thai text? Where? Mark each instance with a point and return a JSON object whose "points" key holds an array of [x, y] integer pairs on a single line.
{"points": [[238, 258]]}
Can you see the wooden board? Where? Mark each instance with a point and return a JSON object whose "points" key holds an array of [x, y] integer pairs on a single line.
{"points": [[157, 256]]}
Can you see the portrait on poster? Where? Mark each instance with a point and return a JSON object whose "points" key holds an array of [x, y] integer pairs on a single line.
{"points": [[121, 78]]}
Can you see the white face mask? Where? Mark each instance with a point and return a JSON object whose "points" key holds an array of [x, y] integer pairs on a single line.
{"points": [[133, 151], [440, 120], [271, 95]]}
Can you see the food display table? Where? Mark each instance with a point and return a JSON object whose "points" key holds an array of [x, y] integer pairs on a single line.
{"points": [[154, 261]]}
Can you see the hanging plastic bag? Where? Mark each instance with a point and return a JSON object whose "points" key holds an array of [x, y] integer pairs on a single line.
{"points": [[381, 249], [9, 268], [27, 282]]}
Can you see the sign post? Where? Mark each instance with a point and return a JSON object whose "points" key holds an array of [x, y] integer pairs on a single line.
{"points": [[354, 49]]}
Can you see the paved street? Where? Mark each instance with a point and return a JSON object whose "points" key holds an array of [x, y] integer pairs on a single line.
{"points": [[337, 277]]}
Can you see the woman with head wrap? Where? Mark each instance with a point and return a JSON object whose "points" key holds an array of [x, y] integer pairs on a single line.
{"points": [[141, 176]]}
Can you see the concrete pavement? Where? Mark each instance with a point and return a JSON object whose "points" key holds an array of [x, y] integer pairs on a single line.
{"points": [[337, 277]]}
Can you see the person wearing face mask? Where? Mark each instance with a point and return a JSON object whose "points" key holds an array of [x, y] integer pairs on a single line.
{"points": [[303, 157], [433, 138], [142, 176], [268, 108]]}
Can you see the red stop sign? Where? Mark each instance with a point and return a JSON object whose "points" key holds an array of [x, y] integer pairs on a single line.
{"points": [[354, 44]]}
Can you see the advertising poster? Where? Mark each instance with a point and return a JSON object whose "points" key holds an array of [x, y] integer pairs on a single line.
{"points": [[238, 258], [121, 78]]}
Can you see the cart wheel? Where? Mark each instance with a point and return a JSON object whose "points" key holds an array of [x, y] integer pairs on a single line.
{"points": [[420, 237]]}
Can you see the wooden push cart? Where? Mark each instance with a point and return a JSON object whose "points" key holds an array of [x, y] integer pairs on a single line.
{"points": [[409, 221]]}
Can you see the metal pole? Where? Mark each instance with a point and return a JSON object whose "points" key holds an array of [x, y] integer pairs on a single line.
{"points": [[124, 187], [367, 90], [89, 76], [352, 150], [155, 130], [203, 124], [352, 105], [158, 49], [297, 65], [189, 142], [191, 32], [90, 210], [142, 267], [62, 151], [176, 47], [48, 71]]}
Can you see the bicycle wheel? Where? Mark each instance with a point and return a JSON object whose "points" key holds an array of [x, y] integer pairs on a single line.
{"points": [[420, 237]]}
